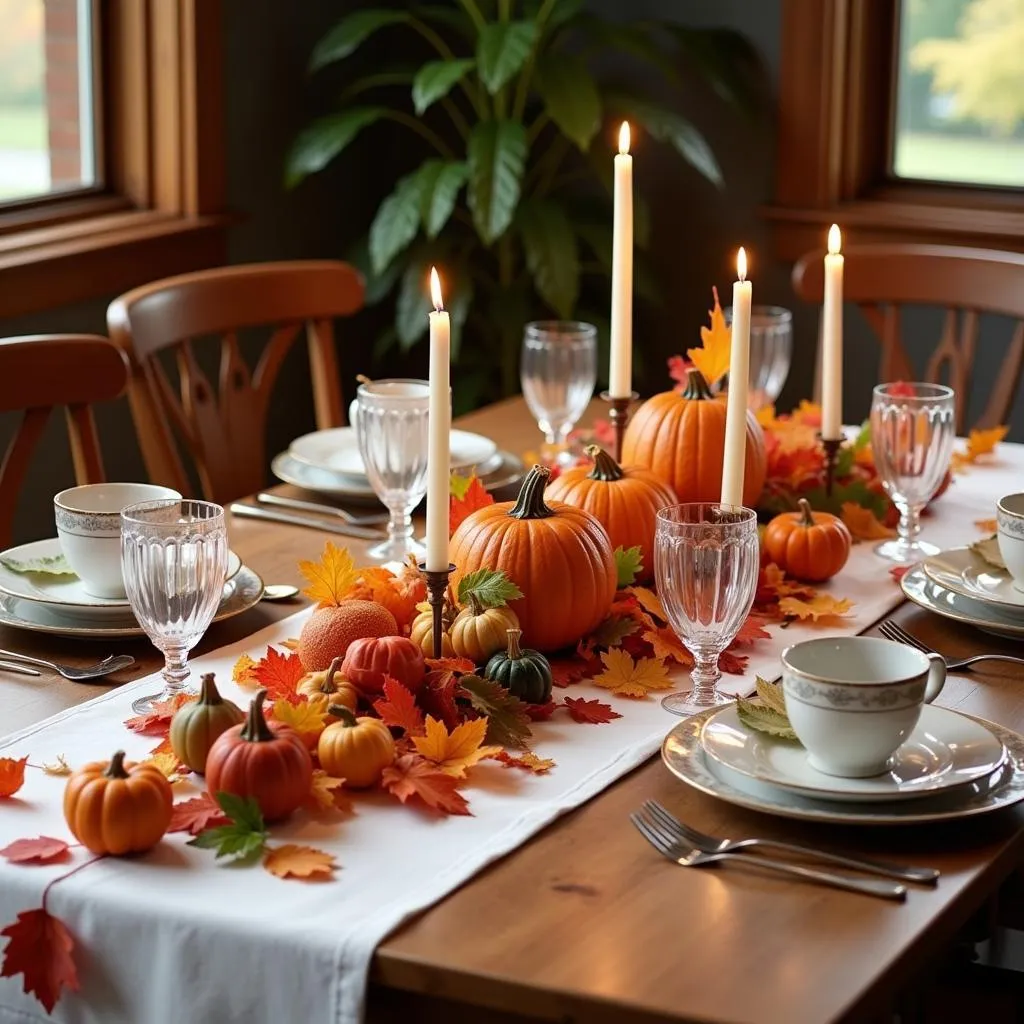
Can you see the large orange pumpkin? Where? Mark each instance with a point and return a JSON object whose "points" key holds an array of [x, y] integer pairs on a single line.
{"points": [[626, 500], [808, 545], [559, 556], [681, 439]]}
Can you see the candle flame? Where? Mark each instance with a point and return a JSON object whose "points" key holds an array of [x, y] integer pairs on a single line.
{"points": [[624, 138], [835, 240], [741, 263], [435, 290]]}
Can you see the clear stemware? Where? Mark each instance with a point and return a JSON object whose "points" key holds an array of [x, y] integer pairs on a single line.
{"points": [[706, 562], [771, 352], [174, 557], [912, 433], [391, 427], [558, 372]]}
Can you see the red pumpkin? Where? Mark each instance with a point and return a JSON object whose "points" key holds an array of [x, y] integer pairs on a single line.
{"points": [[811, 546], [625, 499], [369, 660], [681, 439], [269, 763]]}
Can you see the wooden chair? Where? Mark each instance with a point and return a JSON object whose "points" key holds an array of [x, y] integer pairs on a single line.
{"points": [[38, 373], [224, 429], [881, 278]]}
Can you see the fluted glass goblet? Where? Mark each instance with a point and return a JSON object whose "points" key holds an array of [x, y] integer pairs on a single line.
{"points": [[174, 557], [912, 433], [706, 562]]}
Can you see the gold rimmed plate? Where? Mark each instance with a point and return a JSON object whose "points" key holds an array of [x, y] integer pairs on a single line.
{"points": [[926, 593], [969, 575]]}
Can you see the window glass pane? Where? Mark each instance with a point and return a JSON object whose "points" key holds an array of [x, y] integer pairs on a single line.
{"points": [[960, 92], [46, 104]]}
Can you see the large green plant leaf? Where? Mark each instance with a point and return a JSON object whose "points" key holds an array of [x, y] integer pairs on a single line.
{"points": [[634, 39], [396, 222], [375, 286], [324, 139], [497, 154], [412, 306], [441, 180], [346, 37], [570, 97], [563, 11], [552, 256], [725, 59], [501, 51], [436, 79]]}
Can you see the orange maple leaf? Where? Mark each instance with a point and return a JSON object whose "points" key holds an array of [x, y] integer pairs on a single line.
{"points": [[40, 948], [824, 606], [986, 525], [666, 645], [294, 861], [332, 578], [157, 721], [413, 776], [983, 442], [398, 708], [527, 760], [12, 775], [291, 644], [307, 719], [457, 751], [242, 673], [750, 632], [863, 523], [166, 762], [326, 793], [279, 674], [649, 601], [627, 678], [466, 498], [385, 588], [713, 359]]}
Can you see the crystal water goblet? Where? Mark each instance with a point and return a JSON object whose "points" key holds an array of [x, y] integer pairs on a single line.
{"points": [[706, 562], [174, 557], [771, 352], [912, 434], [558, 373], [391, 427]]}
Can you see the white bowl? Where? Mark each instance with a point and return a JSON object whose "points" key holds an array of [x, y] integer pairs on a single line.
{"points": [[89, 528], [1010, 524]]}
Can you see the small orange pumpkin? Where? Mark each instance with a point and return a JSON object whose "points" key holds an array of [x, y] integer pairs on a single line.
{"points": [[811, 546], [626, 499], [355, 749], [681, 439], [118, 807]]}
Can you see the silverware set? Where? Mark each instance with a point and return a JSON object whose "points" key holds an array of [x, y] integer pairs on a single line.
{"points": [[19, 663], [274, 508], [895, 632]]}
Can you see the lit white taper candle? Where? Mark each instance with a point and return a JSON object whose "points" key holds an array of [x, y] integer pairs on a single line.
{"points": [[832, 341], [439, 431], [739, 383], [620, 371]]}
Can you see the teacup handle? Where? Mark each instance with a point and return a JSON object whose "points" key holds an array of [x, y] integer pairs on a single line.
{"points": [[936, 677]]}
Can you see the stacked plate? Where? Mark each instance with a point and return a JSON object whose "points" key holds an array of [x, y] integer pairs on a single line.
{"points": [[47, 603], [952, 766], [961, 585], [328, 462]]}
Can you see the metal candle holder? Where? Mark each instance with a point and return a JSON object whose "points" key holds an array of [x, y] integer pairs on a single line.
{"points": [[619, 416], [437, 587], [831, 447]]}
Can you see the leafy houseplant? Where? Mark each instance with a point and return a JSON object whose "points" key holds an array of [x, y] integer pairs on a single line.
{"points": [[512, 201]]}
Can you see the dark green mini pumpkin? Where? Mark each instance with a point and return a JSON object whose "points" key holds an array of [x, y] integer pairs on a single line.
{"points": [[525, 674]]}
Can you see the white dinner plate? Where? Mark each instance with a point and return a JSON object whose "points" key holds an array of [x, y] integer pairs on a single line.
{"points": [[338, 450], [946, 749], [685, 758], [988, 617], [968, 574], [67, 594]]}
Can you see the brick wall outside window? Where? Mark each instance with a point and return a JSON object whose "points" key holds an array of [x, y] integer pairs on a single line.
{"points": [[62, 92]]}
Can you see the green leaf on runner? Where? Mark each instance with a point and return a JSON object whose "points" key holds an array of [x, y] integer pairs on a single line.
{"points": [[244, 839], [491, 587], [508, 724], [48, 565], [629, 563], [764, 719]]}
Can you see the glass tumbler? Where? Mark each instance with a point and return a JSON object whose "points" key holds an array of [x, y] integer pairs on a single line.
{"points": [[706, 562], [391, 426], [174, 557], [912, 434], [771, 352]]}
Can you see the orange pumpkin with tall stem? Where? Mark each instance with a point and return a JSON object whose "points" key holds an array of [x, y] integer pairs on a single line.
{"points": [[811, 546]]}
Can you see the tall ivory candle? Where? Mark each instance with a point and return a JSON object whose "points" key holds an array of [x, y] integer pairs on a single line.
{"points": [[832, 341], [439, 432], [620, 375], [739, 383]]}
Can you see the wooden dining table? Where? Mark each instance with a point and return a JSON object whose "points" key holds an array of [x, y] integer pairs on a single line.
{"points": [[586, 922]]}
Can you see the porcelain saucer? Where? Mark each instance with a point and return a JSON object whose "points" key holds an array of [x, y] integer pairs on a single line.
{"points": [[968, 574], [981, 614]]}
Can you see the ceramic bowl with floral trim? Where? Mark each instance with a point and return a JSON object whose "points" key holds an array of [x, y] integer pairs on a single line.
{"points": [[1010, 526]]}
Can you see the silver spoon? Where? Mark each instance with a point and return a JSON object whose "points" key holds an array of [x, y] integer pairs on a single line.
{"points": [[279, 592], [112, 663]]}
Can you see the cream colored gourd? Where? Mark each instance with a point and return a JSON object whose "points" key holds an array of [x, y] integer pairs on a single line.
{"points": [[197, 725], [325, 688], [479, 632]]}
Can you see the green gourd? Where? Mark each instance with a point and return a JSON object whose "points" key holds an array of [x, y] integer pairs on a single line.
{"points": [[525, 674], [195, 726]]}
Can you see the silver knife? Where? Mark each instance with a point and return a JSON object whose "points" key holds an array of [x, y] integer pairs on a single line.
{"points": [[326, 510], [273, 516], [22, 670]]}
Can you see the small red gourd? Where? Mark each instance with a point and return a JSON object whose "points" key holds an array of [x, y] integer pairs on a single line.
{"points": [[369, 660], [811, 546], [196, 725]]}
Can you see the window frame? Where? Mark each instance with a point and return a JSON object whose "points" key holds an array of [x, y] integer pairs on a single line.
{"points": [[160, 209], [835, 114]]}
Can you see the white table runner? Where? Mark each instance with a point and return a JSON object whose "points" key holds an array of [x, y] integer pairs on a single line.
{"points": [[173, 937]]}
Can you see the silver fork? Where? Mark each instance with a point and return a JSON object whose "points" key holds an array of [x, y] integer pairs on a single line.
{"points": [[894, 631], [675, 848], [368, 519], [710, 844], [112, 663]]}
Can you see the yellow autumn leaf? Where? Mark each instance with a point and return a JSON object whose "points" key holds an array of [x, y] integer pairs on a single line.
{"points": [[713, 359], [627, 678], [455, 752], [294, 861], [242, 673], [291, 644], [983, 442], [330, 579], [168, 764], [824, 606], [327, 793], [527, 760], [766, 417], [305, 718], [58, 767], [650, 602], [862, 522]]}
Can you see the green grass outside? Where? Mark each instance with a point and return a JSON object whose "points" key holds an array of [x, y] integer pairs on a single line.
{"points": [[22, 128], [962, 159]]}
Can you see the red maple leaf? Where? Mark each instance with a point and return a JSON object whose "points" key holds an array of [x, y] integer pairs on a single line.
{"points": [[751, 631], [678, 370], [437, 697], [897, 572], [540, 712], [460, 509], [398, 708], [12, 775], [567, 671], [413, 776], [42, 850], [279, 674], [40, 948], [194, 815], [157, 721], [603, 432], [593, 712], [460, 665], [734, 664]]}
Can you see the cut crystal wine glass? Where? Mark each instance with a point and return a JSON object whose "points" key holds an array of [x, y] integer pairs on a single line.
{"points": [[912, 434], [174, 557], [706, 562]]}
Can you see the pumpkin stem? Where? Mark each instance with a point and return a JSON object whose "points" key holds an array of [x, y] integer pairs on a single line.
{"points": [[530, 503], [475, 607], [806, 518], [208, 692], [115, 770], [256, 729], [328, 684], [343, 714], [696, 386], [514, 650], [605, 467]]}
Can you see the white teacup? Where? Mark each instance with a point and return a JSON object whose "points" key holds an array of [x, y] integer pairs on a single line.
{"points": [[89, 529], [1010, 523], [852, 701]]}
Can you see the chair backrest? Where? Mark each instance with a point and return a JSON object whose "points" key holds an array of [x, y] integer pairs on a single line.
{"points": [[224, 429], [40, 372], [881, 278]]}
